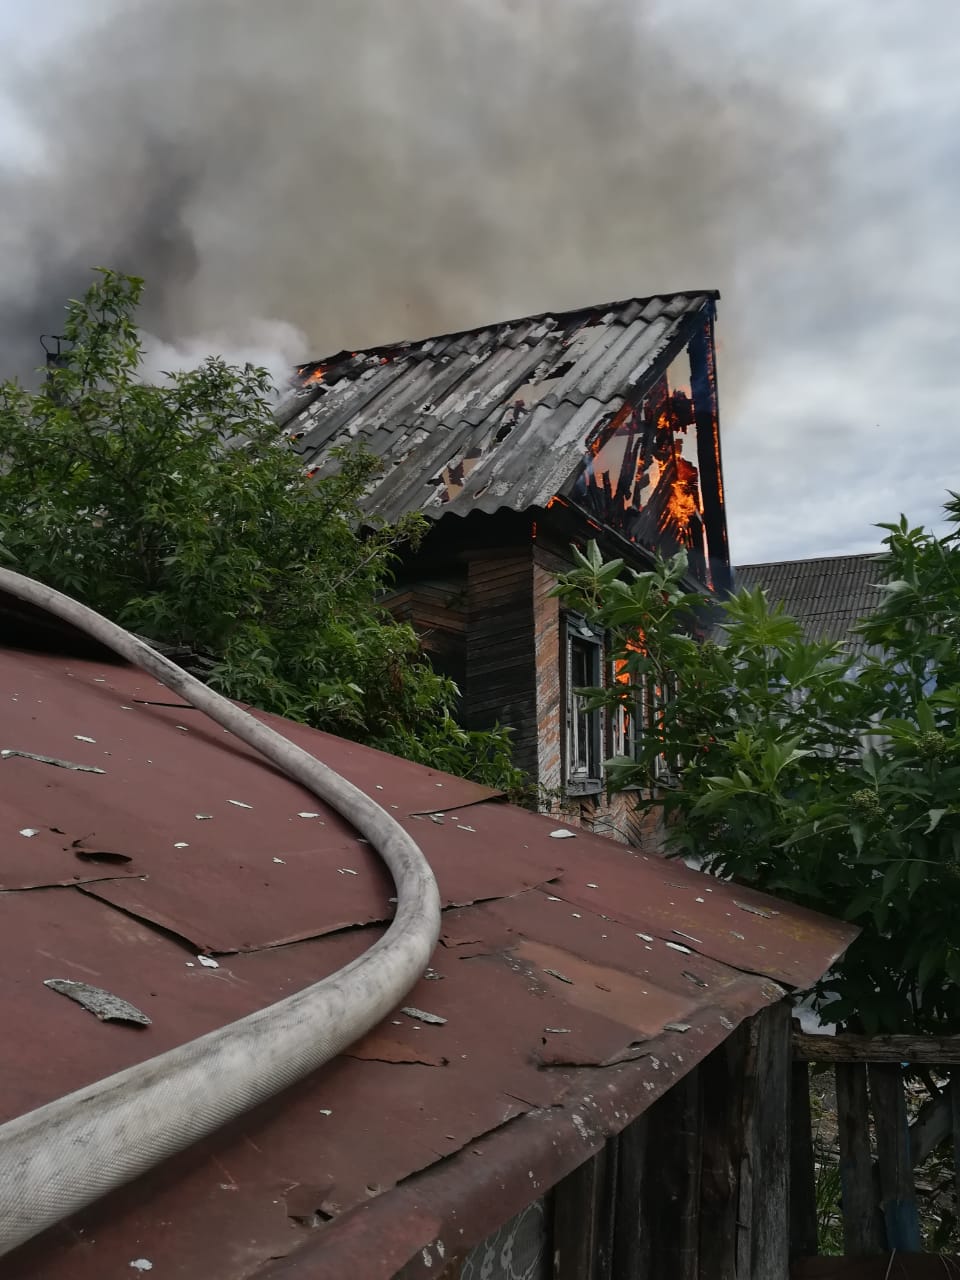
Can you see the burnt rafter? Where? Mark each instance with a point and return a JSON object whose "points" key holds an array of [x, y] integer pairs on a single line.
{"points": [[612, 409]]}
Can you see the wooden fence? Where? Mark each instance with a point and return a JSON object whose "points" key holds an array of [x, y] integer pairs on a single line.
{"points": [[880, 1145]]}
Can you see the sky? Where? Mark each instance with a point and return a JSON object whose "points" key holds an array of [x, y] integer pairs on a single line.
{"points": [[296, 178]]}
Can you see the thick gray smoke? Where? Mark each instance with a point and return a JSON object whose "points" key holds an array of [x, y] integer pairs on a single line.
{"points": [[296, 177]]}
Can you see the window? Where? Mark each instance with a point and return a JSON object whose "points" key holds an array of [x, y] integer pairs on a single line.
{"points": [[642, 716], [583, 736], [629, 719], [666, 768]]}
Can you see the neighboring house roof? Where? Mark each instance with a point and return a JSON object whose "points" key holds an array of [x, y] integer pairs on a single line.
{"points": [[559, 958], [491, 418], [827, 595]]}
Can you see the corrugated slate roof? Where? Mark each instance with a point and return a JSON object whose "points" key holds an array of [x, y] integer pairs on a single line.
{"points": [[827, 595], [578, 980], [488, 418]]}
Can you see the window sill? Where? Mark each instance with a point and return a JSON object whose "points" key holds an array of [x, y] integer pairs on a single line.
{"points": [[584, 787]]}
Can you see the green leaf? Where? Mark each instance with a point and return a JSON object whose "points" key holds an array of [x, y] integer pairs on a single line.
{"points": [[934, 816], [916, 875], [892, 877]]}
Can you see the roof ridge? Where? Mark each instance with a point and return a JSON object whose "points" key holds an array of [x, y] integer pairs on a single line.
{"points": [[843, 555], [555, 313]]}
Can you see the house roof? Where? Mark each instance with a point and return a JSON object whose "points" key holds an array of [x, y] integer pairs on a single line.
{"points": [[491, 418], [828, 595], [578, 980]]}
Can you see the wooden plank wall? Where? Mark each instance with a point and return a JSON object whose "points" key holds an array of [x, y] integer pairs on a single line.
{"points": [[698, 1187], [501, 663]]}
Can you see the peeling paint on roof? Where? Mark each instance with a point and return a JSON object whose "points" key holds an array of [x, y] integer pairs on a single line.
{"points": [[494, 1054]]}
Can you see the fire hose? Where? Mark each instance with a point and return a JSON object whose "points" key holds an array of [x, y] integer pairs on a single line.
{"points": [[59, 1158]]}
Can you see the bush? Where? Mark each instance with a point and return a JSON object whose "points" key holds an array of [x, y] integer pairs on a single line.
{"points": [[827, 778], [181, 512]]}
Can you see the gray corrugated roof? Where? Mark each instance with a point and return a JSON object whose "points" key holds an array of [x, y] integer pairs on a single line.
{"points": [[489, 418], [826, 595]]}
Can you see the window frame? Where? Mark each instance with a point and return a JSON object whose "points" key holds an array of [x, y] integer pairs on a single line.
{"points": [[583, 731]]}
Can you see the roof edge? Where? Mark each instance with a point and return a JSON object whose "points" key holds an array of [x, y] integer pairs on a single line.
{"points": [[710, 295], [843, 555]]}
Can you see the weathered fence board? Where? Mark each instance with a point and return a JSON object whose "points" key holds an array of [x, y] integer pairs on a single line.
{"points": [[934, 1050], [898, 1197], [898, 1266], [803, 1187], [879, 1146], [672, 1202], [763, 1248], [862, 1223], [721, 1087], [631, 1235]]}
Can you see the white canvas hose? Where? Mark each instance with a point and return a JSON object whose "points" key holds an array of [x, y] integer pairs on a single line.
{"points": [[60, 1157]]}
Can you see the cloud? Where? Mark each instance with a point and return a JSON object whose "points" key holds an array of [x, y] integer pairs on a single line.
{"points": [[295, 179]]}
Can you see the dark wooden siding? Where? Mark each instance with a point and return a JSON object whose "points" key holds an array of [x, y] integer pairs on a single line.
{"points": [[437, 611], [501, 680]]}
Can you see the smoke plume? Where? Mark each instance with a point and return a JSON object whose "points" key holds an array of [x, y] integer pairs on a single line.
{"points": [[297, 177]]}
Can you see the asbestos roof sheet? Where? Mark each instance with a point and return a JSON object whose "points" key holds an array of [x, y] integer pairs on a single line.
{"points": [[493, 417], [578, 979], [827, 595]]}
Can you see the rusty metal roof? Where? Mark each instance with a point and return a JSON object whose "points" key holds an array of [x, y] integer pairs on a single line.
{"points": [[496, 417], [828, 595], [578, 980]]}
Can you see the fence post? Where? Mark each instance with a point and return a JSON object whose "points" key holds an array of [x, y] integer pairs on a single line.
{"points": [[763, 1246], [898, 1197], [862, 1225]]}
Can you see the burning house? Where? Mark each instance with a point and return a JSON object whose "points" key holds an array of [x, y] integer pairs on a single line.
{"points": [[515, 441]]}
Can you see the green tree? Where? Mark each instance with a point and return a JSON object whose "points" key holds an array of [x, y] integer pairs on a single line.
{"points": [[180, 511], [829, 778]]}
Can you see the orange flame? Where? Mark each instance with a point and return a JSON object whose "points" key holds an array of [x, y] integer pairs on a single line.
{"points": [[684, 500]]}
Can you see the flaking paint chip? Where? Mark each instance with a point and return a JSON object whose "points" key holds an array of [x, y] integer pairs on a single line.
{"points": [[562, 833], [307, 814], [208, 962], [141, 1264], [756, 911], [202, 817], [29, 832], [420, 1015], [346, 871], [561, 977], [181, 844], [106, 1006], [82, 737], [241, 804]]}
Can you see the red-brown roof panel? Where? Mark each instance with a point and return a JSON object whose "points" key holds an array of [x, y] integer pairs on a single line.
{"points": [[556, 957]]}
